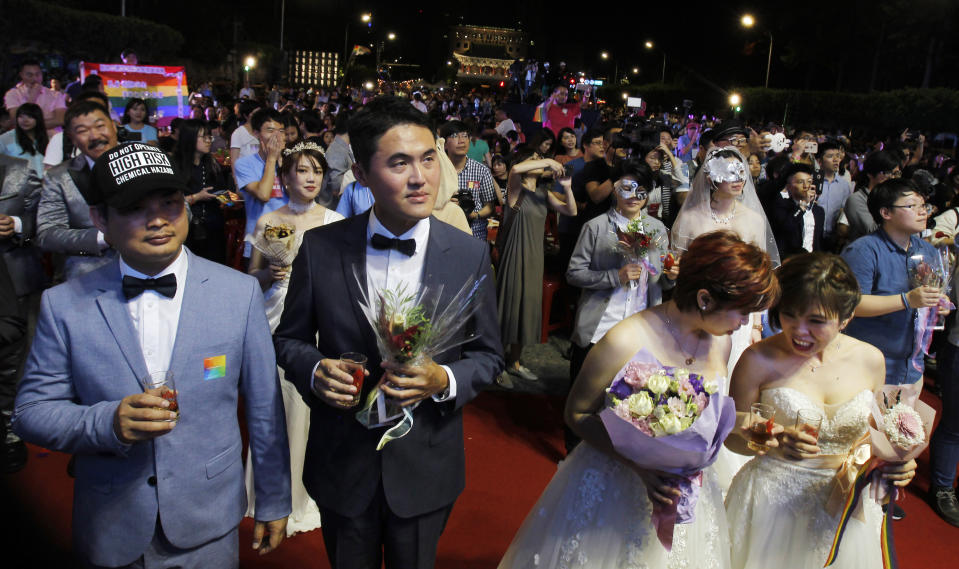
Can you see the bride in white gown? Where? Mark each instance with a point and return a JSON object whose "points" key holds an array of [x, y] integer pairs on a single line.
{"points": [[596, 511], [778, 506], [722, 197], [301, 175]]}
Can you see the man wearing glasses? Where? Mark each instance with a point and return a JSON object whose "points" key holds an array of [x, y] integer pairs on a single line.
{"points": [[887, 313]]}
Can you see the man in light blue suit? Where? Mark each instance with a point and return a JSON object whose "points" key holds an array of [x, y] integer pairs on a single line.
{"points": [[153, 488]]}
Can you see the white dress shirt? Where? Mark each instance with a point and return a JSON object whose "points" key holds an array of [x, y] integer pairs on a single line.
{"points": [[388, 269], [156, 317], [625, 300], [808, 222]]}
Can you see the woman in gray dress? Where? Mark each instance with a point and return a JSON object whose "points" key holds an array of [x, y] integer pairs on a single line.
{"points": [[519, 283]]}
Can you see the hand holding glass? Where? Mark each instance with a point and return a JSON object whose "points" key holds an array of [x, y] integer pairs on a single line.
{"points": [[761, 421], [354, 363], [160, 384]]}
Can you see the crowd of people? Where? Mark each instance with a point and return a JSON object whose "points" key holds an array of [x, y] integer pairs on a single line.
{"points": [[782, 259]]}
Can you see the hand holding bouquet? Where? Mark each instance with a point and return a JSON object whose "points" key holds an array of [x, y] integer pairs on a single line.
{"points": [[278, 244], [411, 328], [668, 419]]}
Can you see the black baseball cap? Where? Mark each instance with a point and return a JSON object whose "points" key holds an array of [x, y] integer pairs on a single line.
{"points": [[729, 128], [125, 174]]}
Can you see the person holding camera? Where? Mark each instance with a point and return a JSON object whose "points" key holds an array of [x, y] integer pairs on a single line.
{"points": [[135, 127], [477, 191], [796, 219]]}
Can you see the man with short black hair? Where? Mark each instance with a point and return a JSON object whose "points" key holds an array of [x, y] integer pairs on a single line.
{"points": [[474, 178], [597, 174], [386, 505], [256, 174], [30, 89], [887, 313], [64, 226], [795, 217], [834, 192]]}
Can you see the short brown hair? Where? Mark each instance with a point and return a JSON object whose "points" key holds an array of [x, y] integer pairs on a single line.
{"points": [[817, 279], [737, 275]]}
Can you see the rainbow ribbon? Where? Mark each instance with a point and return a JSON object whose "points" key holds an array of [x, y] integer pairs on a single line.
{"points": [[863, 478]]}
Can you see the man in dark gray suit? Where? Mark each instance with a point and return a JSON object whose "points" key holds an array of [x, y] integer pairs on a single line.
{"points": [[63, 217], [19, 194]]}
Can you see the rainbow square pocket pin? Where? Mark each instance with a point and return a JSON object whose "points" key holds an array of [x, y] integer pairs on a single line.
{"points": [[214, 367]]}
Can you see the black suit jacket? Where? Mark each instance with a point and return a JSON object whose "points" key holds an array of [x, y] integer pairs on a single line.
{"points": [[787, 224], [19, 196], [425, 470]]}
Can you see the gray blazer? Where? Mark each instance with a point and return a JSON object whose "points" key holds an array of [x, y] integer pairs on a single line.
{"points": [[594, 267], [86, 357], [19, 196], [63, 220]]}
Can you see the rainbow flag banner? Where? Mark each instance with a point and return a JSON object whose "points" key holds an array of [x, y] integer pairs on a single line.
{"points": [[163, 88]]}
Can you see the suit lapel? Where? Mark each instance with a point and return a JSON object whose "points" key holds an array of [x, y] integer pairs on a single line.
{"points": [[191, 313], [353, 262], [113, 306], [437, 265]]}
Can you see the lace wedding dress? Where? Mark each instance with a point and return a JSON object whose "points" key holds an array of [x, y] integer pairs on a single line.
{"points": [[595, 514], [776, 507]]}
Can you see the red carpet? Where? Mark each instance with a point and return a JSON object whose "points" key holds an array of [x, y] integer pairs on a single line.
{"points": [[513, 443]]}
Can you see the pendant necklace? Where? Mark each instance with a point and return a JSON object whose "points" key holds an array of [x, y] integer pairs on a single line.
{"points": [[689, 358]]}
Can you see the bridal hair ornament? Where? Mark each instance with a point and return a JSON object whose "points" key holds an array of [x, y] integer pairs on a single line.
{"points": [[305, 145], [721, 169]]}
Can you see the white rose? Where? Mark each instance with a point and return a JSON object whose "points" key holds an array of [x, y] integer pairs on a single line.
{"points": [[681, 373], [658, 383], [640, 405], [671, 424], [710, 386]]}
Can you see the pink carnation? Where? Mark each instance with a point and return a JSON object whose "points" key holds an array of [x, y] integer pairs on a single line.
{"points": [[642, 425], [701, 400], [637, 373], [685, 387], [910, 425]]}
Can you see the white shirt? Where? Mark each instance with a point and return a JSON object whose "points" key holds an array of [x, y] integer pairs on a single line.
{"points": [[388, 268], [808, 223], [625, 300], [156, 317]]}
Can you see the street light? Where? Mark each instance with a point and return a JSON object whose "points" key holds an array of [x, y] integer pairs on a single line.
{"points": [[748, 21], [735, 100], [649, 46], [365, 18], [391, 36], [635, 71], [604, 55], [248, 64]]}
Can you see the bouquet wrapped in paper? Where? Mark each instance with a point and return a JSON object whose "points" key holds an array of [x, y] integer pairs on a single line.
{"points": [[668, 419], [411, 326], [935, 272], [634, 244], [278, 244], [898, 432]]}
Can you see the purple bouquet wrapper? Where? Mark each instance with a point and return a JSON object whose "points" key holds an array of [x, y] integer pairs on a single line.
{"points": [[684, 454]]}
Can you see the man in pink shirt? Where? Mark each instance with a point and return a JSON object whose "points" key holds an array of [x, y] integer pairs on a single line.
{"points": [[30, 89]]}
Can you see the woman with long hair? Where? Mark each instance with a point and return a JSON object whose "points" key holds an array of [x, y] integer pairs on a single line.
{"points": [[597, 510], [134, 121], [193, 161], [28, 139]]}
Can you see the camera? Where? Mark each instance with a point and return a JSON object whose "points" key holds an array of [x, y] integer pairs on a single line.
{"points": [[124, 135]]}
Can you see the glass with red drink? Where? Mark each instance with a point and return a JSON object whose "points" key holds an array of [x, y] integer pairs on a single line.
{"points": [[160, 384], [354, 363], [762, 419], [809, 421]]}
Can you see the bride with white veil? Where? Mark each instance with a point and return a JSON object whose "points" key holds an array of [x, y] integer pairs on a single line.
{"points": [[722, 197]]}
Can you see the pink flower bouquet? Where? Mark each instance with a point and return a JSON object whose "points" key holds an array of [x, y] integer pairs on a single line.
{"points": [[668, 419]]}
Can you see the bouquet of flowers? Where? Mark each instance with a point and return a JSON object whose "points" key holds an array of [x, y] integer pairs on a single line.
{"points": [[898, 432], [666, 418], [634, 244], [278, 244], [937, 273], [411, 327]]}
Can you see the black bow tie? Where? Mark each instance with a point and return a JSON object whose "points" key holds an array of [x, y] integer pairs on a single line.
{"points": [[134, 287], [405, 246]]}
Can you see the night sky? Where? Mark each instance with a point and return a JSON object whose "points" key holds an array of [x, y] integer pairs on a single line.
{"points": [[818, 44]]}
